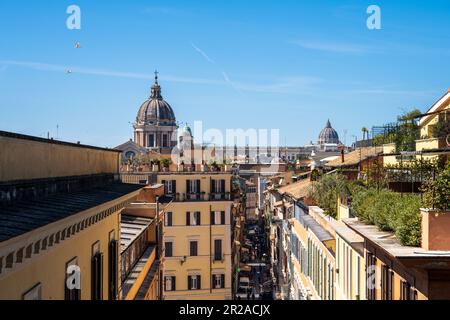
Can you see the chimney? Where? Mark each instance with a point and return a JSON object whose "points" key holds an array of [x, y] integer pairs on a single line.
{"points": [[342, 156], [435, 226]]}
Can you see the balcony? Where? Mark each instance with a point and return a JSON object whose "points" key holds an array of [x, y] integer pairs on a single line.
{"points": [[220, 196], [189, 197]]}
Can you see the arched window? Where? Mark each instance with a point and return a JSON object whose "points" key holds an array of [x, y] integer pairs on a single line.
{"points": [[130, 155]]}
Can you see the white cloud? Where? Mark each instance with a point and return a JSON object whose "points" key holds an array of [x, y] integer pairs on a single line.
{"points": [[287, 85], [107, 73]]}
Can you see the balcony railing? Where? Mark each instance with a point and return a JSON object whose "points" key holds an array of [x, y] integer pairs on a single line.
{"points": [[182, 197], [219, 196]]}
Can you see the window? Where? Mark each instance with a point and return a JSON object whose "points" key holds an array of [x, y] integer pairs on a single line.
{"points": [[112, 269], [168, 219], [169, 284], [193, 248], [217, 187], [151, 140], [405, 293], [193, 218], [165, 141], [168, 249], [170, 187], [130, 155], [218, 250], [194, 282], [193, 186], [218, 217], [386, 282], [97, 276], [71, 293], [218, 281], [371, 262]]}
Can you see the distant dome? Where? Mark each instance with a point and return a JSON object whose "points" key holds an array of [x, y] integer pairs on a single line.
{"points": [[328, 135], [186, 131], [156, 111]]}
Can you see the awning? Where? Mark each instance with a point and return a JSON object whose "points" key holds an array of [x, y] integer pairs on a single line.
{"points": [[245, 268]]}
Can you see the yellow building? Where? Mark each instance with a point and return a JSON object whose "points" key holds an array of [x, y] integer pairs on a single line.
{"points": [[313, 256], [350, 259], [60, 209], [197, 235], [439, 111]]}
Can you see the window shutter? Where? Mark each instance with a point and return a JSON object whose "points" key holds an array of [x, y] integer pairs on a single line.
{"points": [[222, 281], [198, 186], [113, 270], [188, 218], [164, 183], [222, 217], [212, 218], [222, 182], [174, 287], [199, 282], [188, 189], [174, 186], [189, 283], [199, 222], [100, 274], [94, 278], [213, 186], [169, 216]]}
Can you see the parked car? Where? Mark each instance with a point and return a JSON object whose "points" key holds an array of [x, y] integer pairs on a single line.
{"points": [[244, 282]]}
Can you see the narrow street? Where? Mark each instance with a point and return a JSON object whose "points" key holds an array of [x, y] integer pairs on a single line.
{"points": [[254, 279]]}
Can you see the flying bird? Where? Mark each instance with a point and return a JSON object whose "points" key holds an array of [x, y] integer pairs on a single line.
{"points": [[77, 45], [68, 71]]}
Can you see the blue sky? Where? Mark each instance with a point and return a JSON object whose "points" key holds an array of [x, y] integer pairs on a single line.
{"points": [[287, 65]]}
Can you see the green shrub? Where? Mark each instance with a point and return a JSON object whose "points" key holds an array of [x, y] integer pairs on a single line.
{"points": [[388, 210], [436, 192], [326, 192]]}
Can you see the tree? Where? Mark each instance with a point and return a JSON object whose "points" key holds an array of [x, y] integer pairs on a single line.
{"points": [[408, 131], [365, 132], [326, 192]]}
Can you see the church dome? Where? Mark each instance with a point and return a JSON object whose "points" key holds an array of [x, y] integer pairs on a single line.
{"points": [[156, 111], [328, 135], [186, 131]]}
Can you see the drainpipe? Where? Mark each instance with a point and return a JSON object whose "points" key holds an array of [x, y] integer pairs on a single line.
{"points": [[210, 252]]}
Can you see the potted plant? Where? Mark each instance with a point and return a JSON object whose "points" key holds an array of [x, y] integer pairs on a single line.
{"points": [[204, 167], [181, 166], [166, 163], [155, 165]]}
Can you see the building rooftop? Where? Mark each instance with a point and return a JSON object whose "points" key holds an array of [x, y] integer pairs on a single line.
{"points": [[25, 216], [131, 228], [52, 141], [351, 237], [387, 241], [316, 228], [354, 157], [298, 190]]}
